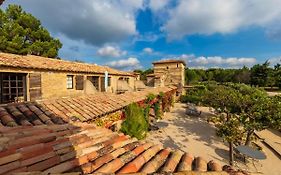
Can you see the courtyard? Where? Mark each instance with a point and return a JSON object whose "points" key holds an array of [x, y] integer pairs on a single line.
{"points": [[197, 137]]}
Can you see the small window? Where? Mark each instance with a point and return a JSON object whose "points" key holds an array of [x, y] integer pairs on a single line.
{"points": [[109, 81], [177, 65], [69, 82], [12, 87], [167, 67]]}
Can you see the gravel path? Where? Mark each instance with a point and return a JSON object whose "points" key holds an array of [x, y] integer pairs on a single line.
{"points": [[196, 136]]}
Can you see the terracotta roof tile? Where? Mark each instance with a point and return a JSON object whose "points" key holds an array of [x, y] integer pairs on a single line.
{"points": [[186, 162], [173, 161], [43, 63], [27, 114], [90, 107], [87, 149], [156, 162]]}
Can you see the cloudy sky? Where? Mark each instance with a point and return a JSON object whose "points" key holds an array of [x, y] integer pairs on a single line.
{"points": [[130, 34]]}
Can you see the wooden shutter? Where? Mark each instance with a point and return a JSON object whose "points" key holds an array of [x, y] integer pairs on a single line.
{"points": [[79, 82], [35, 90], [102, 84]]}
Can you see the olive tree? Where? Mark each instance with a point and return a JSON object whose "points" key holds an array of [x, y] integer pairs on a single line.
{"points": [[242, 110], [224, 100], [256, 110]]}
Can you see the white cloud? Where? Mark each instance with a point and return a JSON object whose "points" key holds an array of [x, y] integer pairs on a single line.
{"points": [[217, 61], [95, 22], [126, 64], [221, 16], [147, 37], [156, 5], [186, 56], [148, 50], [110, 51], [274, 61]]}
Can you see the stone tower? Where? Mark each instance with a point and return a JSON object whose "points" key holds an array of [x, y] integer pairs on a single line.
{"points": [[169, 72]]}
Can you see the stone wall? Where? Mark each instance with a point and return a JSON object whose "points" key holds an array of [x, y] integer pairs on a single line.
{"points": [[54, 83], [169, 73]]}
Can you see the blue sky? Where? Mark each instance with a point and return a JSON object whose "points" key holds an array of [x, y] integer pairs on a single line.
{"points": [[130, 34]]}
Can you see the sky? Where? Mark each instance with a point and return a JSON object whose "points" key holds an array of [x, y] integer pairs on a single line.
{"points": [[131, 34]]}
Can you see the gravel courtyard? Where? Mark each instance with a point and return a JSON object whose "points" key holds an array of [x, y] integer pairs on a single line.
{"points": [[196, 136]]}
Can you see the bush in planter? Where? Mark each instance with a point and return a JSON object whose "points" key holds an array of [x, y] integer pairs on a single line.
{"points": [[135, 124]]}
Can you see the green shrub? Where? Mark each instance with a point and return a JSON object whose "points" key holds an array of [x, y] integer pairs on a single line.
{"points": [[150, 97], [190, 99], [136, 123], [195, 95], [157, 110]]}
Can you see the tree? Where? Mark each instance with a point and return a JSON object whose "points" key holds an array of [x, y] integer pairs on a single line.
{"points": [[277, 75], [191, 76], [143, 74], [250, 108], [274, 112], [242, 75], [225, 101], [259, 74], [21, 33], [242, 110]]}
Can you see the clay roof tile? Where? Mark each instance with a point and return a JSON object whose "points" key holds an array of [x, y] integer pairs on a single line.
{"points": [[43, 63], [88, 149]]}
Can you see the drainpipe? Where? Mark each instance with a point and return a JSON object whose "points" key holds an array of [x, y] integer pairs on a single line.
{"points": [[106, 80]]}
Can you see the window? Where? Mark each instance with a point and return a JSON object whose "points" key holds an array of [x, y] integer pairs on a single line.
{"points": [[12, 87], [96, 82], [69, 82], [177, 65], [167, 67]]}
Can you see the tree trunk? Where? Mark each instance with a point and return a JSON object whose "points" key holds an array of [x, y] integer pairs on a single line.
{"points": [[231, 157], [248, 138]]}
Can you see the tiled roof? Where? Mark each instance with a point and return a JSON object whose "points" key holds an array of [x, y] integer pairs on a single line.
{"points": [[59, 111], [169, 61], [27, 114], [90, 107], [87, 149], [37, 62]]}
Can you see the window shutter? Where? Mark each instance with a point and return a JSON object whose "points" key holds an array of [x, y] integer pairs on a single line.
{"points": [[35, 86], [79, 82], [102, 84]]}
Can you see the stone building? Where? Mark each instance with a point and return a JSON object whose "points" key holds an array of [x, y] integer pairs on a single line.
{"points": [[29, 78], [166, 73]]}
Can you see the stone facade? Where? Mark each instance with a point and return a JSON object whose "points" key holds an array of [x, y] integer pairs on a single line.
{"points": [[54, 83], [166, 73]]}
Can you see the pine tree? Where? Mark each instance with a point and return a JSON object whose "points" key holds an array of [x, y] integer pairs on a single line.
{"points": [[21, 33]]}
